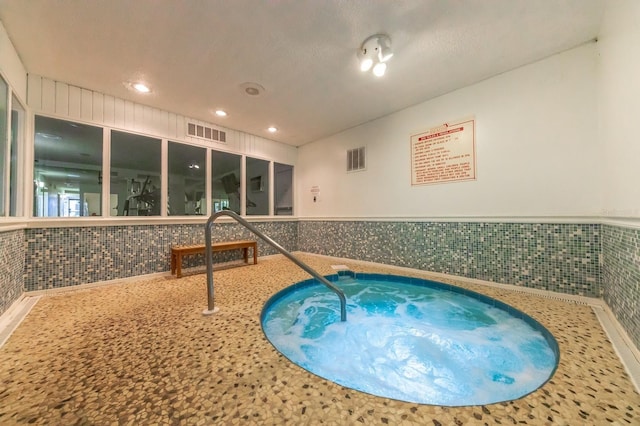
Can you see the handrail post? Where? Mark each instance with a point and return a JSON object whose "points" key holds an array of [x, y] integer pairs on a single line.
{"points": [[209, 258], [211, 308]]}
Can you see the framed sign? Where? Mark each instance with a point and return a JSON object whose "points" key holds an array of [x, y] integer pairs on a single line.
{"points": [[446, 153]]}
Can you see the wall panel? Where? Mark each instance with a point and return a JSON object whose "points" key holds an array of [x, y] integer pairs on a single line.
{"points": [[181, 126], [98, 107], [109, 111], [129, 116], [62, 98], [138, 118], [49, 96], [537, 151], [11, 66], [34, 94], [75, 103], [118, 108], [618, 104], [86, 105], [71, 102]]}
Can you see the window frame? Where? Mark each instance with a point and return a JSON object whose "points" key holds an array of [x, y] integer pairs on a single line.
{"points": [[164, 214]]}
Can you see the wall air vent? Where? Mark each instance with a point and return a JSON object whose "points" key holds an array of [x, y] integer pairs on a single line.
{"points": [[356, 159], [204, 132]]}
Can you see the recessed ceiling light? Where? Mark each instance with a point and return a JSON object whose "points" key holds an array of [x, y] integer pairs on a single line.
{"points": [[272, 129], [137, 87], [221, 113], [141, 87]]}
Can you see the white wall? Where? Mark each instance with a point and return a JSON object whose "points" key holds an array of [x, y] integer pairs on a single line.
{"points": [[619, 102], [11, 67], [537, 151]]}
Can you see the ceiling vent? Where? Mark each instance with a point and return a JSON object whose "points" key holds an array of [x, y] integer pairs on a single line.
{"points": [[356, 159], [204, 132]]}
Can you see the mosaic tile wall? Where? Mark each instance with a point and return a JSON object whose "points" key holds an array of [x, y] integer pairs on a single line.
{"points": [[590, 260], [621, 276], [11, 267], [60, 257], [564, 258]]}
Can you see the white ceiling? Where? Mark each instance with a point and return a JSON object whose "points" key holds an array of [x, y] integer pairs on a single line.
{"points": [[196, 54]]}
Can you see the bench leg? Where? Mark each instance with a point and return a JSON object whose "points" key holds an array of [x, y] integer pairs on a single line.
{"points": [[178, 265], [173, 263], [255, 254]]}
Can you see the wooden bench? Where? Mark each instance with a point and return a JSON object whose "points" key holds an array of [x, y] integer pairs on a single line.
{"points": [[178, 252]]}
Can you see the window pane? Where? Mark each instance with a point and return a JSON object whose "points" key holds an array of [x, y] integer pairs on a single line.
{"points": [[135, 175], [67, 168], [257, 187], [283, 177], [4, 100], [187, 169], [225, 181], [17, 137]]}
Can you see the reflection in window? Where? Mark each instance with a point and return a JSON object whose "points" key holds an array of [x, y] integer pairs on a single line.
{"points": [[187, 168], [225, 181], [17, 137], [135, 175], [4, 101], [67, 169], [283, 186], [257, 186]]}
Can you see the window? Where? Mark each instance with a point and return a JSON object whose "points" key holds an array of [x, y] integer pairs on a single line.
{"points": [[257, 186], [68, 173], [17, 138], [135, 175], [283, 185], [225, 181], [187, 168], [4, 144], [67, 169]]}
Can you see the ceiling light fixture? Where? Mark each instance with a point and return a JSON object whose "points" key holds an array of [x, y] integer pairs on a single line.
{"points": [[379, 69], [221, 113], [374, 52], [272, 129]]}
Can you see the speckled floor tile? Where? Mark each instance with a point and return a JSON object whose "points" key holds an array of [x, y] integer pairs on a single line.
{"points": [[143, 353]]}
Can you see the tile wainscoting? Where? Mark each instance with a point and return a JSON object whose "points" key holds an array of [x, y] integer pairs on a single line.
{"points": [[11, 267], [582, 259], [621, 276], [564, 258], [61, 257]]}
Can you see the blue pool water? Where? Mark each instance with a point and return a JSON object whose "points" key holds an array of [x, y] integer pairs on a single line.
{"points": [[413, 340]]}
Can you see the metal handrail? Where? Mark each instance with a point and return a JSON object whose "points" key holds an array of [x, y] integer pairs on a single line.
{"points": [[304, 266]]}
